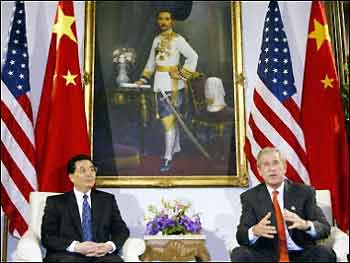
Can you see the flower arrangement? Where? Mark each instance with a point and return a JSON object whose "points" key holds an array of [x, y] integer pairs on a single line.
{"points": [[173, 218], [124, 55]]}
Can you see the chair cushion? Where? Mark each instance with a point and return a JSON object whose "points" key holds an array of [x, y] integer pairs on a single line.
{"points": [[323, 198]]}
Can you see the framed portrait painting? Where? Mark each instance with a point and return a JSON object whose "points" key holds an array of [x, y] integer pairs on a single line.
{"points": [[130, 116]]}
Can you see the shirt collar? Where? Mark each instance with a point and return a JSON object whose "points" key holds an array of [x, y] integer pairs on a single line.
{"points": [[79, 195], [279, 189]]}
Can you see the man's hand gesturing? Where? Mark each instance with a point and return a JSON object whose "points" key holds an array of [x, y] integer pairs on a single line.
{"points": [[296, 221], [264, 229]]}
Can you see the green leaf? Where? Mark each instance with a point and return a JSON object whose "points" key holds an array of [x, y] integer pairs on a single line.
{"points": [[175, 230]]}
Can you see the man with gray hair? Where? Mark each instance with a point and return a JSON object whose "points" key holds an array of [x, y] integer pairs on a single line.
{"points": [[280, 220]]}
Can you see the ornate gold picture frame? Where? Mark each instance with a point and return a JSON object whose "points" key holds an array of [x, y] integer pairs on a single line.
{"points": [[111, 27]]}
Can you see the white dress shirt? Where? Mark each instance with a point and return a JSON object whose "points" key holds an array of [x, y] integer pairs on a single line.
{"points": [[290, 243], [79, 196]]}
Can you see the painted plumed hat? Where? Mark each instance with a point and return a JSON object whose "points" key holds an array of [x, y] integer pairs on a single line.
{"points": [[179, 10]]}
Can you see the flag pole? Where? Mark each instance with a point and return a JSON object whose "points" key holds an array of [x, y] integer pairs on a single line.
{"points": [[5, 239]]}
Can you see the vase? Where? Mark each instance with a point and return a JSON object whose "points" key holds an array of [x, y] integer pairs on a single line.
{"points": [[122, 76]]}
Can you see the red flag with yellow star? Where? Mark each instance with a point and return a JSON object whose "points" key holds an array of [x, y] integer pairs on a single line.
{"points": [[323, 118], [61, 130]]}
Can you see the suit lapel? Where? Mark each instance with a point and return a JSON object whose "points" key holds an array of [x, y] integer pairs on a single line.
{"points": [[286, 195], [74, 210], [288, 200], [265, 200]]}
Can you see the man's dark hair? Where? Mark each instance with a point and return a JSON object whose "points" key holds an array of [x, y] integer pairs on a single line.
{"points": [[166, 11], [74, 159]]}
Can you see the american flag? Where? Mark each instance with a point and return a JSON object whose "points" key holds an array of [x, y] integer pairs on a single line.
{"points": [[18, 174], [274, 119]]}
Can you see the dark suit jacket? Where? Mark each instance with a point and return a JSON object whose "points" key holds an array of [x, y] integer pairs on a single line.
{"points": [[256, 203], [61, 223]]}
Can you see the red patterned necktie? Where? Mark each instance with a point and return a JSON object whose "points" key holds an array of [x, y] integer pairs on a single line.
{"points": [[282, 242]]}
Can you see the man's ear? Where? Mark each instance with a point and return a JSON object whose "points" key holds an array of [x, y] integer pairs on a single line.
{"points": [[71, 178]]}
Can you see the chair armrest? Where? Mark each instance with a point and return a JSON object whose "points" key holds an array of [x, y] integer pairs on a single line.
{"points": [[132, 249], [28, 248], [339, 242]]}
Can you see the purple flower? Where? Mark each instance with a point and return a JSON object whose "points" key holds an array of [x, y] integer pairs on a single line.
{"points": [[159, 223], [191, 225], [152, 228], [184, 220], [172, 220], [164, 222]]}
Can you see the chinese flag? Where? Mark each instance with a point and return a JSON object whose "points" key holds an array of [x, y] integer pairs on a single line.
{"points": [[61, 129], [323, 118]]}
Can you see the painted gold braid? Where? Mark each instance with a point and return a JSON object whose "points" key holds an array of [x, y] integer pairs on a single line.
{"points": [[174, 89], [188, 74], [161, 68]]}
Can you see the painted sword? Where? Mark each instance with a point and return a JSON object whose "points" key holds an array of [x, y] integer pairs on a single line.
{"points": [[185, 128]]}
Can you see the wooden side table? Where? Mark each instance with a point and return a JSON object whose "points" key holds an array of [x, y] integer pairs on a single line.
{"points": [[175, 248], [143, 96]]}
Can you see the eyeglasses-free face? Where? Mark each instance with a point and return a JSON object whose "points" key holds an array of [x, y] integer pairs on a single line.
{"points": [[272, 168], [84, 176], [165, 21]]}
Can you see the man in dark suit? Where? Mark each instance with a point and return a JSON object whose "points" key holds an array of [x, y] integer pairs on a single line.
{"points": [[267, 232], [83, 225]]}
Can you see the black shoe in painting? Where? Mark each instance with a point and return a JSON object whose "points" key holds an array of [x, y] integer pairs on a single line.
{"points": [[165, 166]]}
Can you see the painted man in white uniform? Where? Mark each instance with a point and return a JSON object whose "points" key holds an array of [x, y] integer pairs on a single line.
{"points": [[169, 77]]}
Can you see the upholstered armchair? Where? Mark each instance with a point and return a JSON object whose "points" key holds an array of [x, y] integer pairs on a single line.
{"points": [[29, 248], [338, 240]]}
